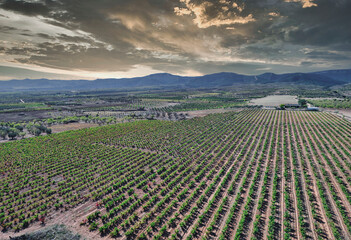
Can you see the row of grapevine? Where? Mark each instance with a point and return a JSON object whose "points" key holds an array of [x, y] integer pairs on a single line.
{"points": [[252, 174]]}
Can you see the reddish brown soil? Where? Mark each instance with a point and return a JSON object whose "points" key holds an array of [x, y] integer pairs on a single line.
{"points": [[70, 218]]}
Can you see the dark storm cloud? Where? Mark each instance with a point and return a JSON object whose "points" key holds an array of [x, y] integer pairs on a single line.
{"points": [[7, 29], [328, 24], [25, 7], [183, 35], [327, 55]]}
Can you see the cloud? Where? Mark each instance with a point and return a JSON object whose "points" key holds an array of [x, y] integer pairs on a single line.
{"points": [[274, 14], [21, 73], [182, 11], [26, 7], [305, 3], [207, 13], [176, 36]]}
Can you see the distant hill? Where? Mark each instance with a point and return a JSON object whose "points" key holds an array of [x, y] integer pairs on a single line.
{"points": [[165, 80]]}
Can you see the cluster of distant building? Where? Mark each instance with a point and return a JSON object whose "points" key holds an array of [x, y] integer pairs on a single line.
{"points": [[297, 106], [313, 109]]}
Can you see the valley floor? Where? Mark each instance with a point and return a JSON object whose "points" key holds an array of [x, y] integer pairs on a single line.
{"points": [[252, 174]]}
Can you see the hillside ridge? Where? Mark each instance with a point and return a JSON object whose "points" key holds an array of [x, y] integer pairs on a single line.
{"points": [[165, 80]]}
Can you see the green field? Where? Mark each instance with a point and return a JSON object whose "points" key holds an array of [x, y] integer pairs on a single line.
{"points": [[253, 174]]}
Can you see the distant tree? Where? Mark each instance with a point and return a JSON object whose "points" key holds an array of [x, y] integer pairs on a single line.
{"points": [[3, 133], [48, 131], [37, 132], [31, 128], [50, 121], [19, 127], [282, 106], [22, 134], [41, 128], [13, 133], [303, 102]]}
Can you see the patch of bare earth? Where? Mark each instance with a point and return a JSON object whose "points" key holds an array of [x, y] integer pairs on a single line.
{"points": [[71, 219], [344, 113], [71, 126], [274, 100]]}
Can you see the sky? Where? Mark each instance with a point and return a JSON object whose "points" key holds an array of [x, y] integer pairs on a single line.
{"points": [[89, 39]]}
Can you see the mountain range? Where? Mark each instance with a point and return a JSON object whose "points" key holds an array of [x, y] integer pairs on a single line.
{"points": [[164, 80]]}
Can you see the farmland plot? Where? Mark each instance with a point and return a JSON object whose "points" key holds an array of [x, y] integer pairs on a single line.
{"points": [[253, 174], [274, 100]]}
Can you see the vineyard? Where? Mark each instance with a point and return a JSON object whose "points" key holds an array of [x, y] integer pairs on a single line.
{"points": [[252, 174]]}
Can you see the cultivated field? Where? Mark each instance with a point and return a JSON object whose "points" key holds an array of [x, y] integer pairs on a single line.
{"points": [[253, 174], [274, 100]]}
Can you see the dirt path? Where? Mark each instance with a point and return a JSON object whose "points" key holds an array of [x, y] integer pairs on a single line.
{"points": [[343, 113], [282, 185], [290, 187], [344, 124]]}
